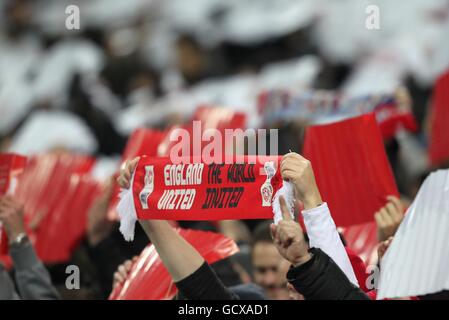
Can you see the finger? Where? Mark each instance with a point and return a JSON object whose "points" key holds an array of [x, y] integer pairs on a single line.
{"points": [[384, 246], [397, 203], [389, 241], [126, 174], [274, 230], [128, 265], [293, 155], [379, 219], [284, 208], [292, 164], [388, 220], [285, 238], [122, 271], [291, 170], [396, 212], [395, 215], [118, 277], [133, 164], [122, 182], [287, 175], [391, 210], [290, 175], [381, 250], [398, 218]]}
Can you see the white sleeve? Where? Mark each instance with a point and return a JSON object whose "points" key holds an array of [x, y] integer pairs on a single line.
{"points": [[323, 234]]}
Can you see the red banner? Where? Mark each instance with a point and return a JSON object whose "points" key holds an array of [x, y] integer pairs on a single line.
{"points": [[351, 168]]}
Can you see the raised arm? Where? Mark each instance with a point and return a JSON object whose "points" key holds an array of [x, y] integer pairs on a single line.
{"points": [[191, 273], [32, 278], [179, 257], [318, 221]]}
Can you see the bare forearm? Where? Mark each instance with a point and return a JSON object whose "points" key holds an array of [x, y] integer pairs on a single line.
{"points": [[178, 256]]}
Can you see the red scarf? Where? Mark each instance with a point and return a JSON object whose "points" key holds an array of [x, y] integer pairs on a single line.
{"points": [[198, 191]]}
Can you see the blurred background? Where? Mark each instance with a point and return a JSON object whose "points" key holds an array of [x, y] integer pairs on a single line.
{"points": [[151, 63]]}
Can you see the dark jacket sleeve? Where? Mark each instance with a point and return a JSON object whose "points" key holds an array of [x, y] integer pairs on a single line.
{"points": [[204, 284], [321, 279], [32, 278], [7, 289]]}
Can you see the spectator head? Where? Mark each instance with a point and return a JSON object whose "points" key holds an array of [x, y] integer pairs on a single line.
{"points": [[190, 58], [267, 263]]}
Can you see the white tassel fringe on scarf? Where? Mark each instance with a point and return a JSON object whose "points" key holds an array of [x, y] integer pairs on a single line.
{"points": [[127, 212], [288, 192]]}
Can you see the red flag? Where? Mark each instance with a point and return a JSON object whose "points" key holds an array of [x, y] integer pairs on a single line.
{"points": [[205, 117], [362, 239], [351, 167], [57, 195], [59, 234], [150, 280], [391, 119], [439, 135], [11, 166], [219, 118], [142, 142]]}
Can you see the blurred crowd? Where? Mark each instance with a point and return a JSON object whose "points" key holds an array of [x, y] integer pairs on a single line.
{"points": [[151, 63]]}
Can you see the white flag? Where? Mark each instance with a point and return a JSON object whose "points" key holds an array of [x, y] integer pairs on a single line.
{"points": [[417, 261]]}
